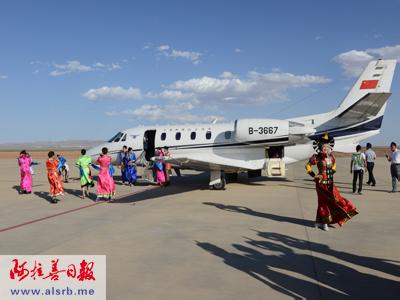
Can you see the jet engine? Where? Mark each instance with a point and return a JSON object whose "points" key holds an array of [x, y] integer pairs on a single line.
{"points": [[271, 131]]}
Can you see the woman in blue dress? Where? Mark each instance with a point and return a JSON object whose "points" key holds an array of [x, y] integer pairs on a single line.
{"points": [[130, 167]]}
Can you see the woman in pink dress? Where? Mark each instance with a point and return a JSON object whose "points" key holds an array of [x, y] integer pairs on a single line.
{"points": [[159, 167], [105, 182], [25, 162]]}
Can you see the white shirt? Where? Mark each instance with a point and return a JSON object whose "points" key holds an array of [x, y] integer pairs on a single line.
{"points": [[395, 157], [358, 165], [370, 155]]}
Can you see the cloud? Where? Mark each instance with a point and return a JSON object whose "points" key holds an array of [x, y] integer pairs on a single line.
{"points": [[254, 88], [168, 113], [75, 66], [353, 62], [3, 76], [111, 113], [115, 92], [163, 48], [189, 100], [227, 75], [72, 66], [168, 51], [386, 52], [148, 46], [237, 50]]}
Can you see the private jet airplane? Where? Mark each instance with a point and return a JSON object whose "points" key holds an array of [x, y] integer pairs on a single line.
{"points": [[264, 145]]}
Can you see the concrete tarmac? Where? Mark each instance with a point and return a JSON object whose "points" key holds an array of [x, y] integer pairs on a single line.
{"points": [[255, 240]]}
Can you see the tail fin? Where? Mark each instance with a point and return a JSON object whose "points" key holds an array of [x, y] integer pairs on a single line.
{"points": [[364, 106], [359, 116], [376, 78]]}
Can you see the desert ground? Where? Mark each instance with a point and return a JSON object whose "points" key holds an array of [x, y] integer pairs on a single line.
{"points": [[255, 240]]}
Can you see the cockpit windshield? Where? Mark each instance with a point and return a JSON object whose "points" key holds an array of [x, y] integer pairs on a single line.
{"points": [[116, 137]]}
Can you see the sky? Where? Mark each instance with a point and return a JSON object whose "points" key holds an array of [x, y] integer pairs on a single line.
{"points": [[74, 70]]}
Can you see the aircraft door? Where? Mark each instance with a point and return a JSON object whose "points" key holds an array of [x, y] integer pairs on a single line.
{"points": [[149, 143], [274, 163]]}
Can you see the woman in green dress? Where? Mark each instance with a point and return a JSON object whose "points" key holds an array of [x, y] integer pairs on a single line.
{"points": [[83, 163]]}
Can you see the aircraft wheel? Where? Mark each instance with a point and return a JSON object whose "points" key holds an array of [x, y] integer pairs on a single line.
{"points": [[221, 185]]}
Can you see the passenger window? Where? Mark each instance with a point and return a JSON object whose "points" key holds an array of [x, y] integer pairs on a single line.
{"points": [[178, 136], [208, 135], [228, 135], [193, 135], [163, 136]]}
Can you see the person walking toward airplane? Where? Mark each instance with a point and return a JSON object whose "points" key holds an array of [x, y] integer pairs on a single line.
{"points": [[83, 163], [24, 162], [63, 167], [120, 162], [357, 166], [54, 177], [129, 166], [394, 159], [105, 183], [370, 156], [332, 207]]}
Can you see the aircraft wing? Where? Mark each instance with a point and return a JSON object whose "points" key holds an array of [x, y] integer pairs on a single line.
{"points": [[211, 163]]}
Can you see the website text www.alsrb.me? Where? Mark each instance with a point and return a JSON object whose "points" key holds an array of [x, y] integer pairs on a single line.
{"points": [[67, 291]]}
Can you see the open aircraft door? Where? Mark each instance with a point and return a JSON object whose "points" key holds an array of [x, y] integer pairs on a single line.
{"points": [[274, 162]]}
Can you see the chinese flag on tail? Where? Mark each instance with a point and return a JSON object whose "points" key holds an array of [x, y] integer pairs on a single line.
{"points": [[368, 84]]}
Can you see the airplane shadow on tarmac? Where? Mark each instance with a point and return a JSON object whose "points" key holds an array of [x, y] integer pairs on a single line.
{"points": [[326, 278], [249, 211], [183, 184], [178, 185]]}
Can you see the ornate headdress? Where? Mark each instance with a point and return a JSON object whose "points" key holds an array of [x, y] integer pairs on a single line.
{"points": [[323, 139]]}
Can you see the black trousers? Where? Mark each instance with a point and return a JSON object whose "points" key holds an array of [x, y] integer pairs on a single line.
{"points": [[370, 168], [358, 174]]}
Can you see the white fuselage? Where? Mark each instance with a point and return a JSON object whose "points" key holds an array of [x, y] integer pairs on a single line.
{"points": [[212, 142]]}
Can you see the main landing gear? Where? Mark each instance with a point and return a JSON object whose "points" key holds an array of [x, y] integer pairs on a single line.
{"points": [[217, 180]]}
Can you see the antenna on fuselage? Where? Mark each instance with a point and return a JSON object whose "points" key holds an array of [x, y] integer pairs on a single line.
{"points": [[214, 121]]}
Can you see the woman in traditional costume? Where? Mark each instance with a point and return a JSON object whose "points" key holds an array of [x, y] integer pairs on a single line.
{"points": [[83, 163], [54, 177], [159, 168], [129, 166], [332, 207], [24, 162], [167, 169], [105, 181]]}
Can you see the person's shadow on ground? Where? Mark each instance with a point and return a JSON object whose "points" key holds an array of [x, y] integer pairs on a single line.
{"points": [[271, 261]]}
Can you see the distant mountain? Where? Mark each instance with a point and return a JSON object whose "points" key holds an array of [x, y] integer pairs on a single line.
{"points": [[67, 145]]}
